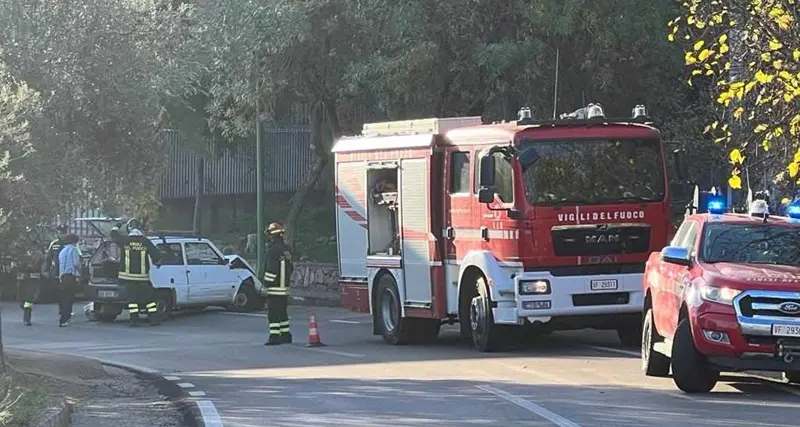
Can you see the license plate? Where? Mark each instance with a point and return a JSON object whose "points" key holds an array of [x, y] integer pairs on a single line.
{"points": [[786, 330], [604, 285], [107, 294]]}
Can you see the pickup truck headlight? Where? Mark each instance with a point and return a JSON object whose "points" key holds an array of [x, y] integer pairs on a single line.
{"points": [[534, 287], [718, 295]]}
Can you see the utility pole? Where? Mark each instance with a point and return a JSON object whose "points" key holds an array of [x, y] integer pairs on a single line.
{"points": [[259, 183]]}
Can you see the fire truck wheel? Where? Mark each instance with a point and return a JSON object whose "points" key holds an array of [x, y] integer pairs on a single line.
{"points": [[486, 335], [654, 364], [630, 335], [394, 328], [690, 370]]}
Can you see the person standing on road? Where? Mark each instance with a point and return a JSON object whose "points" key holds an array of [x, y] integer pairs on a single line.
{"points": [[277, 271], [69, 264], [28, 282], [50, 269], [136, 252]]}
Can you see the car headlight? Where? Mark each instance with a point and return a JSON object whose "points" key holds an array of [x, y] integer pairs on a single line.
{"points": [[534, 287], [719, 295]]}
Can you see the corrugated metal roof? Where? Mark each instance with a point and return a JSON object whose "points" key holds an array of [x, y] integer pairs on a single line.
{"points": [[288, 157]]}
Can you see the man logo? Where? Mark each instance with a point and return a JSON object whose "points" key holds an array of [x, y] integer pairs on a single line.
{"points": [[789, 308], [602, 238]]}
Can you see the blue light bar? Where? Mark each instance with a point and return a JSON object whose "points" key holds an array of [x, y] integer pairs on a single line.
{"points": [[793, 211], [716, 205]]}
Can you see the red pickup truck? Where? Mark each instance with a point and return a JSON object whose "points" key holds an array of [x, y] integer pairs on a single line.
{"points": [[724, 296]]}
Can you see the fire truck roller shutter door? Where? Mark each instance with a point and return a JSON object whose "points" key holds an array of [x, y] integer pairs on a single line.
{"points": [[501, 285]]}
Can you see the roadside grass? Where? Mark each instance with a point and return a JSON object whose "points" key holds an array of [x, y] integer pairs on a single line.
{"points": [[22, 398]]}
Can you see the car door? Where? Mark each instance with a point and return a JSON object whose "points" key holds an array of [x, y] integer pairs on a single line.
{"points": [[660, 285], [207, 283], [172, 272], [678, 279]]}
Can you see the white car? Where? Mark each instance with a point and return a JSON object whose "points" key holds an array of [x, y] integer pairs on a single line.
{"points": [[193, 274]]}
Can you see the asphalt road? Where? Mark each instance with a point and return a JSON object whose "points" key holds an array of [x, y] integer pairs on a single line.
{"points": [[566, 380]]}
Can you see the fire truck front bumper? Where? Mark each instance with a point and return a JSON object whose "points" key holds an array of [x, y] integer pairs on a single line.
{"points": [[540, 295]]}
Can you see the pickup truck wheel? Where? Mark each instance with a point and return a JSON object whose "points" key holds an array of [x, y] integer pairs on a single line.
{"points": [[246, 299], [792, 377], [486, 335], [654, 364], [691, 370], [164, 304], [393, 326]]}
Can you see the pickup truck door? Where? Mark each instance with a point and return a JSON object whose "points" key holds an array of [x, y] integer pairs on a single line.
{"points": [[172, 273], [205, 267], [676, 280]]}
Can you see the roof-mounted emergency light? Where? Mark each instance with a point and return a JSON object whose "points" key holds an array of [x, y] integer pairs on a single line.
{"points": [[639, 111], [716, 205], [524, 116], [594, 111], [793, 210]]}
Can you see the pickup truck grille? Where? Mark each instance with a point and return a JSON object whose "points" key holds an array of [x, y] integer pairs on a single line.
{"points": [[600, 239], [751, 306]]}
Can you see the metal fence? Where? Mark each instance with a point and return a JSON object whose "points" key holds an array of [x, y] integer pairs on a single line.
{"points": [[288, 157]]}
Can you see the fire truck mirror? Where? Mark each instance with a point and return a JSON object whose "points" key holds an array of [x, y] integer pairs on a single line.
{"points": [[487, 171], [681, 168], [486, 195]]}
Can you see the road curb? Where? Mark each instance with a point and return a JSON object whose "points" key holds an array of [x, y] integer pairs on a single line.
{"points": [[56, 416], [177, 395]]}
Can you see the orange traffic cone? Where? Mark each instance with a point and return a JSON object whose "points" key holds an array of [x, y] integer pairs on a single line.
{"points": [[313, 333]]}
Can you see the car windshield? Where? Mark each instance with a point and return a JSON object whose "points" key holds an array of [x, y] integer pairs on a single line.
{"points": [[751, 244], [592, 171]]}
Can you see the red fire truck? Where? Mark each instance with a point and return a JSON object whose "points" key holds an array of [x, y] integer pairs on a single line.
{"points": [[504, 227]]}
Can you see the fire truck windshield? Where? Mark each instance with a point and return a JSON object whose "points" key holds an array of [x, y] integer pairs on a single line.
{"points": [[593, 171]]}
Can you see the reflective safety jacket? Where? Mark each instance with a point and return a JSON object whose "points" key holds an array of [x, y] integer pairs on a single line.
{"points": [[135, 255], [277, 269]]}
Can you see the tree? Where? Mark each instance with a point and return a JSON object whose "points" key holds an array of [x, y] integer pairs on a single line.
{"points": [[748, 51], [106, 69]]}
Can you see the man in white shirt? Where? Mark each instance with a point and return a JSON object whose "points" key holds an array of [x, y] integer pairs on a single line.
{"points": [[69, 263]]}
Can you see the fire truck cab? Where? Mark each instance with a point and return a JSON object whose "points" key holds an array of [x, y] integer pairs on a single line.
{"points": [[504, 227]]}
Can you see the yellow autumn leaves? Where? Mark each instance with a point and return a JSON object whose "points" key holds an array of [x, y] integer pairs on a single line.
{"points": [[761, 100]]}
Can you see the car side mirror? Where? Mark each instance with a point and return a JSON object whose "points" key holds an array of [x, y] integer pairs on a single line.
{"points": [[486, 195], [676, 255]]}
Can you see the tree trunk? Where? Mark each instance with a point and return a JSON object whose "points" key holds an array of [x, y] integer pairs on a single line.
{"points": [[321, 157], [198, 196]]}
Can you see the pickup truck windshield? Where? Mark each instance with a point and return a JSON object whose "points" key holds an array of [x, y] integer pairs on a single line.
{"points": [[751, 244], [592, 171]]}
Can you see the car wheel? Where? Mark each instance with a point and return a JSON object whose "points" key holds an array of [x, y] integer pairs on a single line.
{"points": [[486, 335], [246, 299], [164, 304], [654, 364], [691, 370], [106, 313], [393, 326]]}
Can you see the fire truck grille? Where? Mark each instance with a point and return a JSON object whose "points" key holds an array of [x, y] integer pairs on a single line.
{"points": [[600, 239], [768, 306]]}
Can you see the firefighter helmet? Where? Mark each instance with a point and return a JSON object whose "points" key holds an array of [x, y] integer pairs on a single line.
{"points": [[275, 228]]}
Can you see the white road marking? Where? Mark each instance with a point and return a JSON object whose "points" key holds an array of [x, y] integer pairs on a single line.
{"points": [[230, 313], [530, 406], [185, 385], [196, 393], [172, 378], [614, 350], [209, 414], [349, 322], [340, 353]]}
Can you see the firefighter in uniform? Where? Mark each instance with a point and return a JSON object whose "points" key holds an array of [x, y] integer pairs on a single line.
{"points": [[277, 271], [50, 269], [28, 281], [136, 250]]}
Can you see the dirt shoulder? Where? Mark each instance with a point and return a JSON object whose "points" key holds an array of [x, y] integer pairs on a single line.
{"points": [[102, 396]]}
